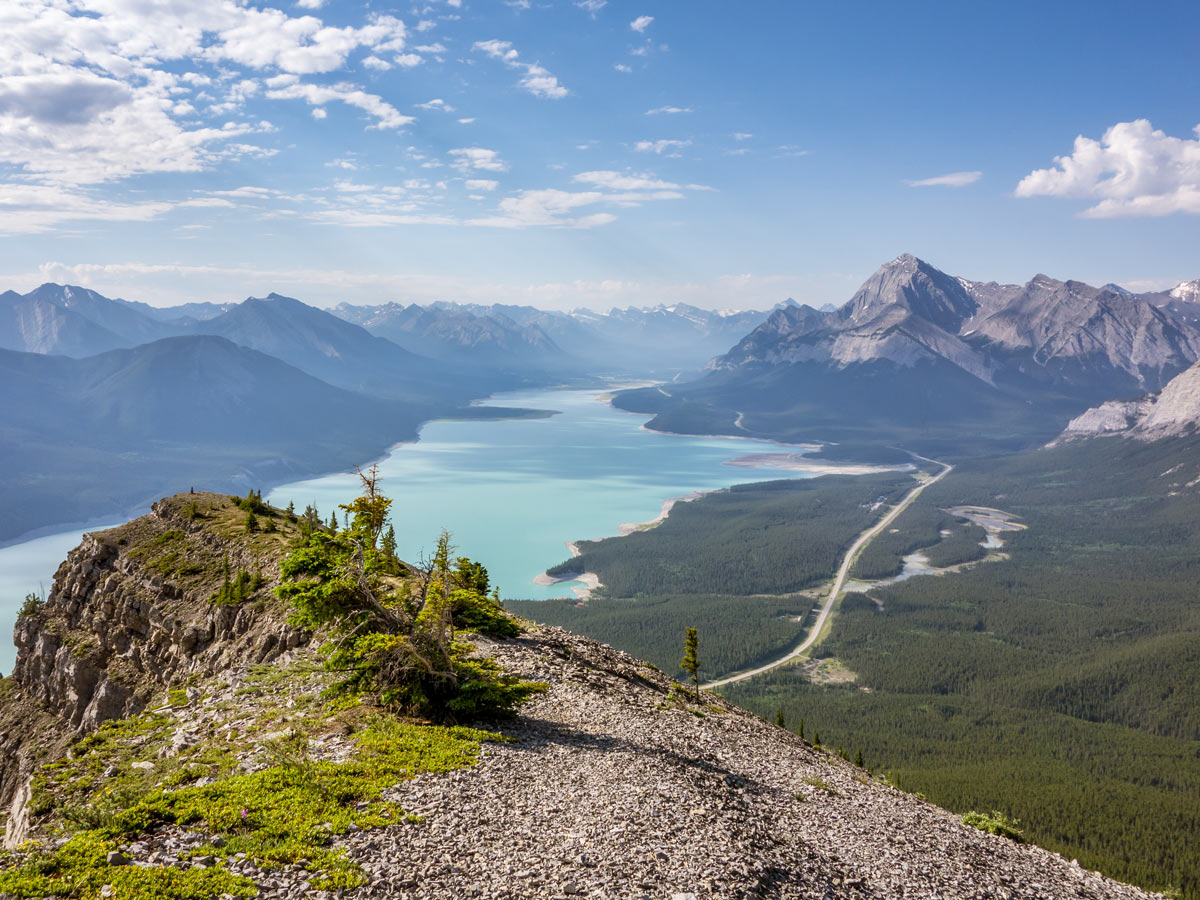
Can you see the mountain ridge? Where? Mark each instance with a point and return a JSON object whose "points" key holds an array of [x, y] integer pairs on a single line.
{"points": [[616, 777]]}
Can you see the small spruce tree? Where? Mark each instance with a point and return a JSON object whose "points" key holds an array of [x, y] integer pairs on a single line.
{"points": [[251, 522], [800, 729], [691, 659], [779, 720], [858, 760], [817, 740], [388, 544]]}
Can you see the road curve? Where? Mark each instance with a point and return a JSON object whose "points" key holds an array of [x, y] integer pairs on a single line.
{"points": [[839, 580]]}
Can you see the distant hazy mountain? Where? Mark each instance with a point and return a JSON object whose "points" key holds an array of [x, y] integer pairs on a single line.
{"points": [[520, 338], [88, 437], [73, 321], [336, 351], [184, 312], [917, 347], [456, 333]]}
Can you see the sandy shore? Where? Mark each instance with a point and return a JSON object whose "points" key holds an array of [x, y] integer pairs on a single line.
{"points": [[630, 527], [588, 580], [798, 463]]}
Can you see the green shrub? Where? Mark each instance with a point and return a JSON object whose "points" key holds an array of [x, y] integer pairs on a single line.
{"points": [[395, 642], [997, 823]]}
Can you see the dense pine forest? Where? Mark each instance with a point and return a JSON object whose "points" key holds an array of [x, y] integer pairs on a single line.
{"points": [[737, 564], [1060, 685]]}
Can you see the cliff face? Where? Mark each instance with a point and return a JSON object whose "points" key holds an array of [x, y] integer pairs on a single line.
{"points": [[132, 611], [1173, 412]]}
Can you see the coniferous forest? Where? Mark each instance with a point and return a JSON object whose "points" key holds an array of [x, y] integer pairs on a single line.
{"points": [[1059, 683]]}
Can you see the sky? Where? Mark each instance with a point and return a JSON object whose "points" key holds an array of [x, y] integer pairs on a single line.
{"points": [[569, 153]]}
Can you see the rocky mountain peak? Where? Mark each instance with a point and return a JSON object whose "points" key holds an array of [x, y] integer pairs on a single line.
{"points": [[1187, 291], [915, 286]]}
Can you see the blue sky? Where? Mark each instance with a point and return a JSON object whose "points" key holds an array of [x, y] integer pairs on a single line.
{"points": [[593, 153]]}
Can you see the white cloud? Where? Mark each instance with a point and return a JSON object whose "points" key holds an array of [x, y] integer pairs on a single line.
{"points": [[34, 208], [436, 103], [546, 207], [621, 181], [478, 158], [91, 90], [408, 60], [386, 115], [591, 7], [787, 151], [668, 110], [426, 25], [319, 112], [621, 67], [374, 62], [537, 80], [310, 4], [951, 179], [466, 121], [660, 147], [742, 135], [481, 184], [641, 23], [169, 284], [1133, 170]]}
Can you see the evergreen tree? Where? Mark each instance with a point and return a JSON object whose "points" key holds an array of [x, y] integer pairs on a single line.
{"points": [[333, 523], [251, 522], [817, 741], [858, 760], [779, 720], [691, 658], [388, 544], [800, 729]]}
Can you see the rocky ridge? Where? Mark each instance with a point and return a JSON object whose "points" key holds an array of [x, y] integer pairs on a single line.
{"points": [[130, 612], [1173, 412], [1065, 333]]}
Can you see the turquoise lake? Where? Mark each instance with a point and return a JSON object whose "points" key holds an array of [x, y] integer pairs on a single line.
{"points": [[511, 492]]}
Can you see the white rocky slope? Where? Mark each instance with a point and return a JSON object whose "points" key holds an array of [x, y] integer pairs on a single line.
{"points": [[1173, 412], [612, 790]]}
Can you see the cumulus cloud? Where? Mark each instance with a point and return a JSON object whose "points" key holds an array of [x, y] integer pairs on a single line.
{"points": [[537, 80], [668, 110], [285, 87], [477, 158], [436, 103], [92, 91], [591, 7], [641, 23], [481, 184], [950, 179], [621, 67], [661, 147], [1133, 170]]}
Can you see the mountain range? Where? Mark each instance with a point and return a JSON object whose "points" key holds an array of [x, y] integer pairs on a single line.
{"points": [[658, 340], [925, 355]]}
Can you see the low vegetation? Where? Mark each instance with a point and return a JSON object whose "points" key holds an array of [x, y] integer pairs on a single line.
{"points": [[996, 823]]}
